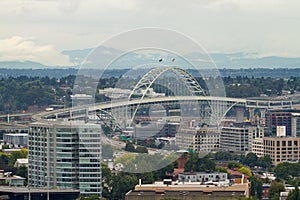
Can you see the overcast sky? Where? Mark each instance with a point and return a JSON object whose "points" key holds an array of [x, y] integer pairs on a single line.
{"points": [[38, 30]]}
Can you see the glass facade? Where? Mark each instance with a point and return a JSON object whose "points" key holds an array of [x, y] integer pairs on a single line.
{"points": [[65, 155]]}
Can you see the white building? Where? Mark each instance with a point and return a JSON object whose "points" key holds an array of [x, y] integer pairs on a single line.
{"points": [[202, 177], [21, 162], [115, 93], [119, 93], [258, 147], [150, 93]]}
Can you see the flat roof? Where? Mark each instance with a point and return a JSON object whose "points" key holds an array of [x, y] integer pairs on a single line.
{"points": [[34, 190], [22, 160], [191, 187]]}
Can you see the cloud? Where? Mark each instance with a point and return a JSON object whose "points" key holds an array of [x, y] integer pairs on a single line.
{"points": [[19, 48], [266, 27]]}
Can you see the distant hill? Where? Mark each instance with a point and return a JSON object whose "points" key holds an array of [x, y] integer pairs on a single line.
{"points": [[129, 60], [21, 65], [58, 73], [243, 60], [222, 60]]}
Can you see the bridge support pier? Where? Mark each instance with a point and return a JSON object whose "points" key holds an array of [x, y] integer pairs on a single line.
{"points": [[263, 116], [239, 114], [251, 114]]}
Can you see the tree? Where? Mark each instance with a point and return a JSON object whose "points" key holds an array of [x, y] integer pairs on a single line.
{"points": [[140, 149], [294, 195], [245, 170], [286, 170], [121, 184], [275, 189], [197, 164], [265, 162], [166, 165], [129, 147], [256, 187], [125, 159], [146, 177], [222, 156], [106, 181], [251, 159], [233, 165], [22, 171], [221, 169], [7, 161]]}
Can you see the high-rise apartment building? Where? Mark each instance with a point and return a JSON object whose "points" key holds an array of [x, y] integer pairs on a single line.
{"points": [[65, 155]]}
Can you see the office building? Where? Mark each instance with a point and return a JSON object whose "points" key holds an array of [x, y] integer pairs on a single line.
{"points": [[289, 118], [258, 147], [239, 138], [200, 140], [282, 149], [65, 155]]}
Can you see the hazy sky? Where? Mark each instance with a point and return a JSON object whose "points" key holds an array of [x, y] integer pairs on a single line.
{"points": [[38, 30]]}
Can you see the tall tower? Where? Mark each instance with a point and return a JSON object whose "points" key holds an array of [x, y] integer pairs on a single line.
{"points": [[65, 154]]}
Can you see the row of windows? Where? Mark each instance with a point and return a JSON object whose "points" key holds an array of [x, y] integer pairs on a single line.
{"points": [[283, 143]]}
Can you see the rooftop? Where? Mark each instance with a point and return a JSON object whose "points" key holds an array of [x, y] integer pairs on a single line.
{"points": [[34, 190], [22, 160], [190, 186]]}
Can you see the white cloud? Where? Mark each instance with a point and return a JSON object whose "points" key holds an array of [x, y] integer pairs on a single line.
{"points": [[267, 27], [19, 48]]}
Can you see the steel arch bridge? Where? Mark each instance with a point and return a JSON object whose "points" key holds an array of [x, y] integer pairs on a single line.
{"points": [[219, 106], [149, 78], [147, 81]]}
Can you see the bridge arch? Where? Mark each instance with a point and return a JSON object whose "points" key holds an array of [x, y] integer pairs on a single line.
{"points": [[150, 77]]}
